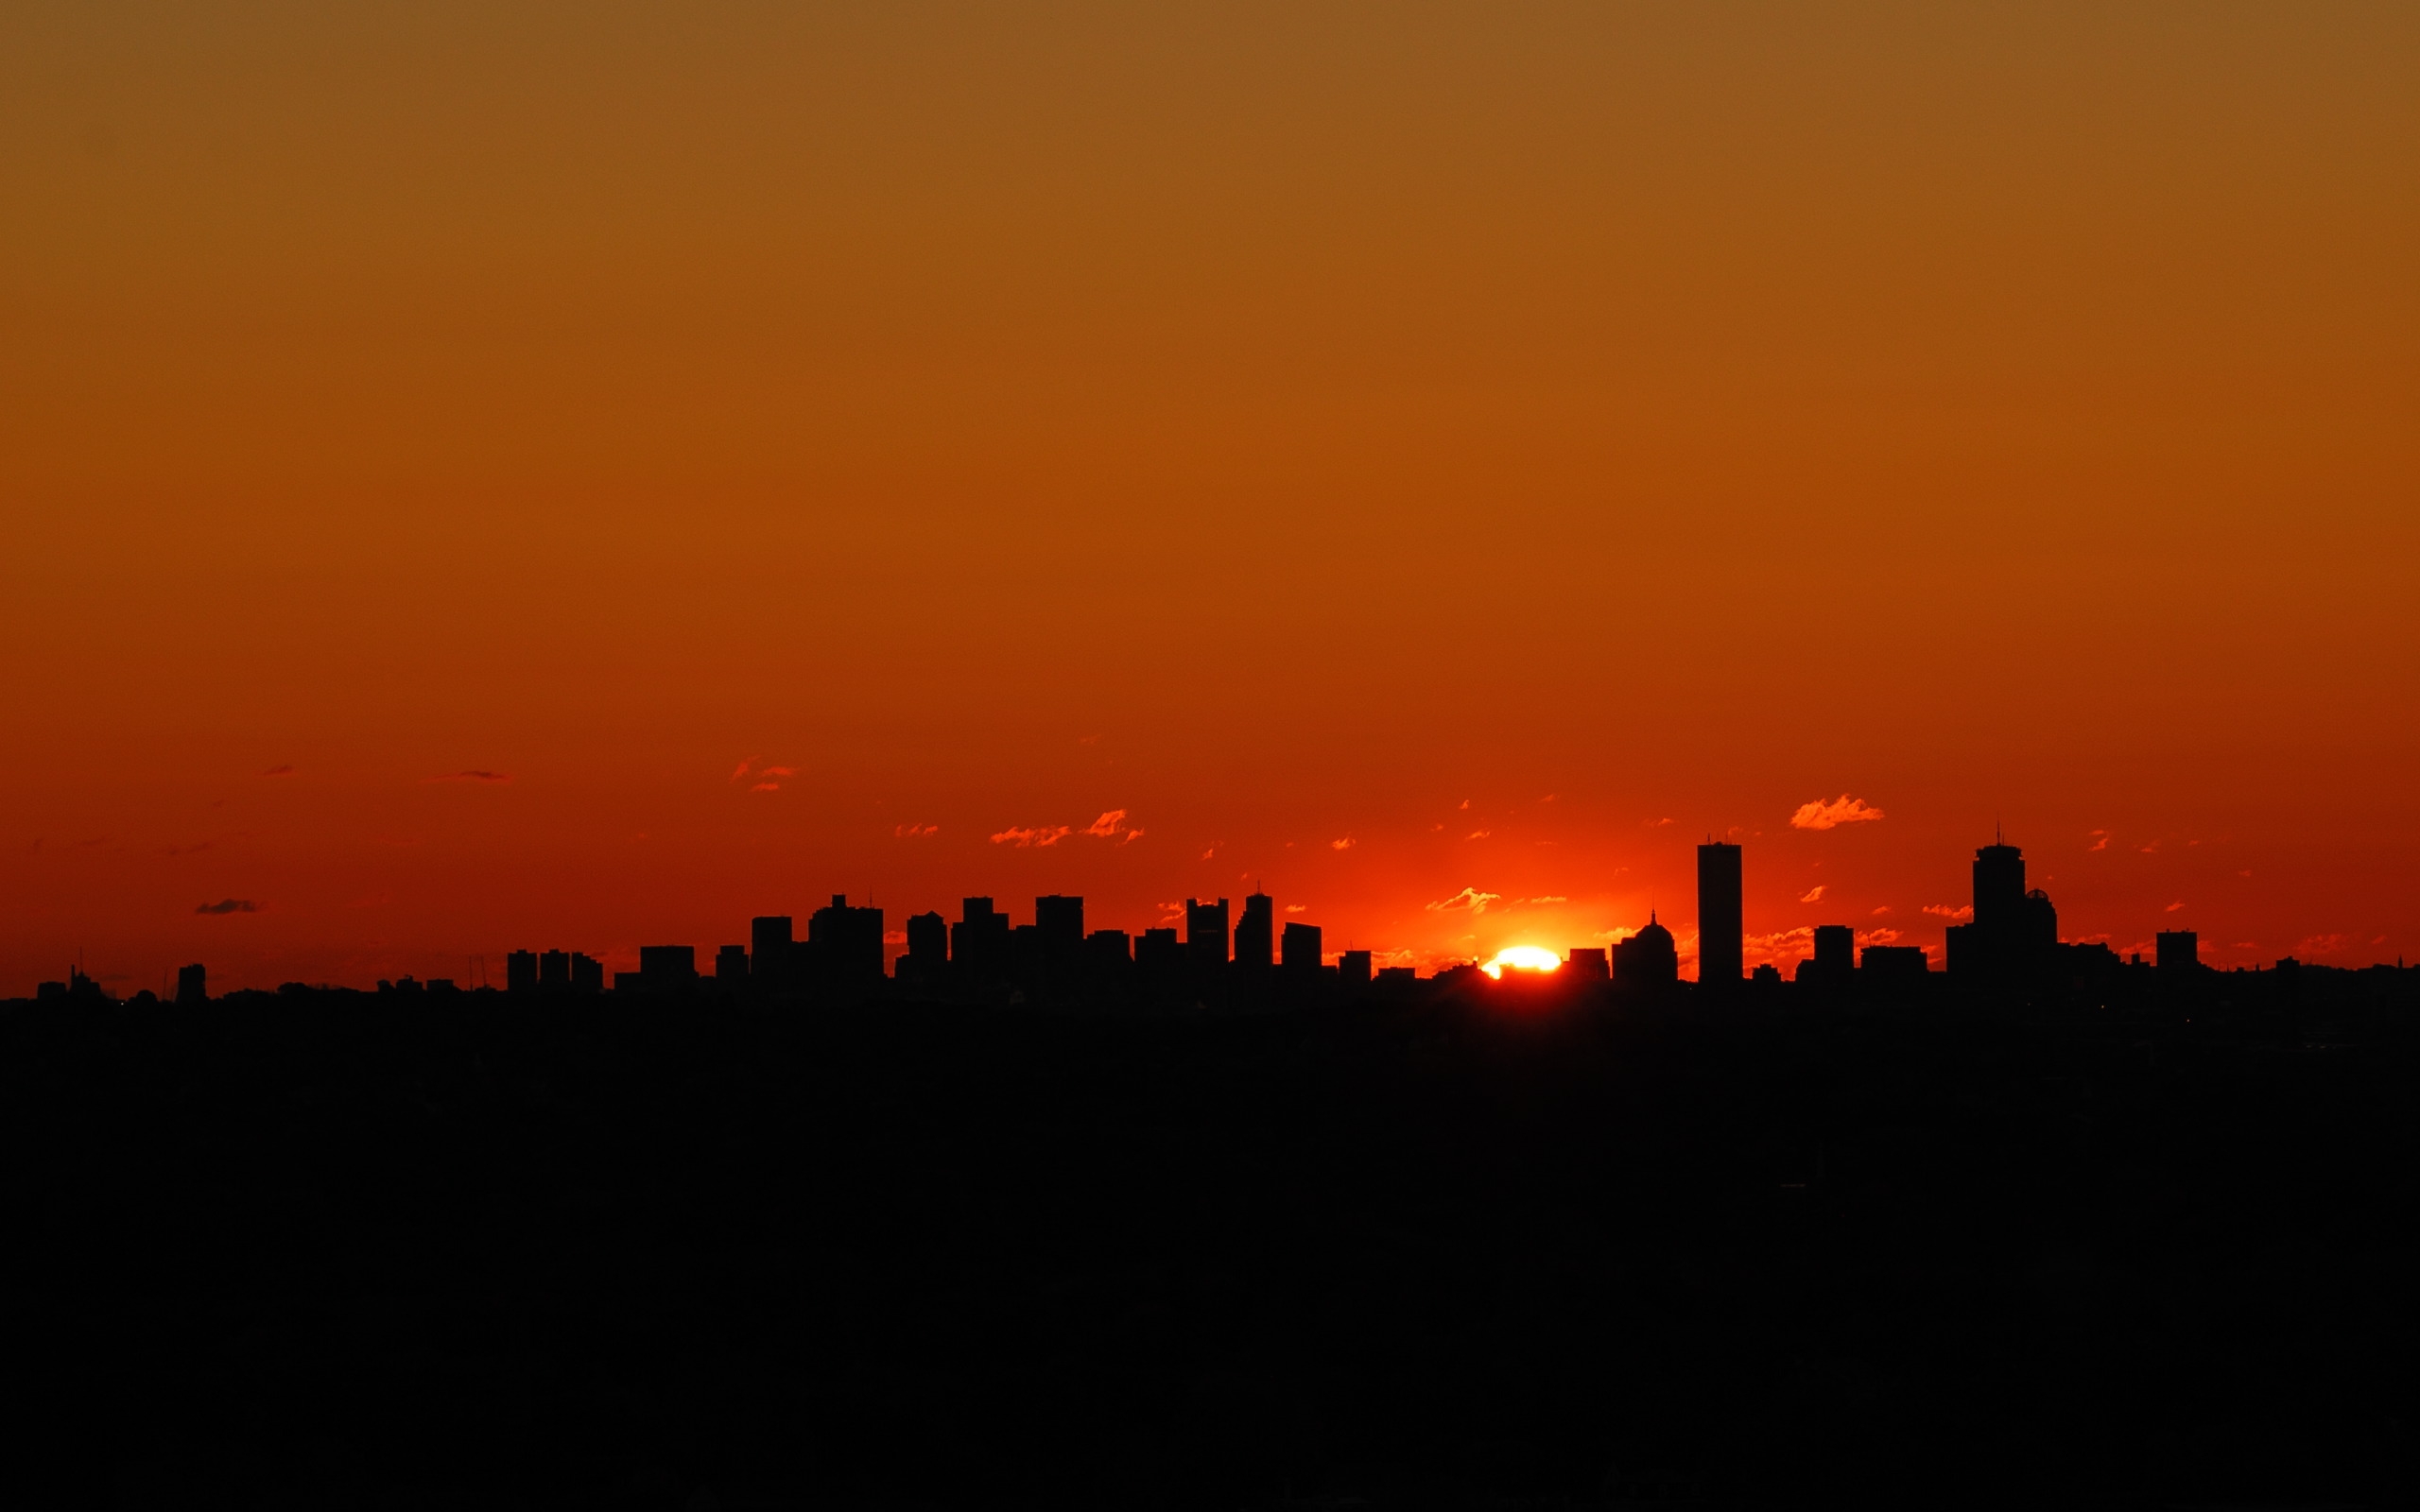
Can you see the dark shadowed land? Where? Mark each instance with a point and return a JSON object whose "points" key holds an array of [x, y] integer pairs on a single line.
{"points": [[1491, 1247]]}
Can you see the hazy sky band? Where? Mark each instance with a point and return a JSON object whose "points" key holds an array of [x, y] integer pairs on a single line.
{"points": [[1281, 423]]}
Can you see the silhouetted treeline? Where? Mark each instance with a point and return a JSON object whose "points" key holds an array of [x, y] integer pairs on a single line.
{"points": [[1504, 1245]]}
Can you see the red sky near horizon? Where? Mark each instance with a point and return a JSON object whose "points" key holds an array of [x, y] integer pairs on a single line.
{"points": [[551, 475]]}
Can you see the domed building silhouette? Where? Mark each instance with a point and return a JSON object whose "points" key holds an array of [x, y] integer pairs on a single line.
{"points": [[1648, 959]]}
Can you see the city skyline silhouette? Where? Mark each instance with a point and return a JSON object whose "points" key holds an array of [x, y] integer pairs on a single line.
{"points": [[1225, 758]]}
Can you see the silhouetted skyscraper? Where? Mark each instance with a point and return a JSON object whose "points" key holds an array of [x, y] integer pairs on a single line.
{"points": [[2180, 950], [1299, 948], [1999, 890], [1353, 968], [667, 968], [521, 971], [730, 966], [193, 985], [1059, 935], [2014, 936], [1158, 954], [845, 944], [1255, 930], [1893, 964], [1205, 932], [2037, 924], [769, 947], [1834, 966], [1060, 921], [554, 971], [927, 957], [587, 973], [1586, 963], [978, 943], [1721, 953], [1648, 959]]}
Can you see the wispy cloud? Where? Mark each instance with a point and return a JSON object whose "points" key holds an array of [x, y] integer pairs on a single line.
{"points": [[1957, 913], [1812, 895], [1480, 835], [1884, 909], [2174, 907], [913, 831], [2150, 850], [1108, 826], [1877, 936], [1469, 899], [1346, 844], [1024, 838], [229, 905], [1544, 898], [2320, 945], [741, 771], [1842, 810], [766, 787], [1298, 908], [2100, 841], [282, 769], [474, 775]]}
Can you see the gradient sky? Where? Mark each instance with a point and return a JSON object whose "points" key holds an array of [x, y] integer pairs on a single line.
{"points": [[1517, 440]]}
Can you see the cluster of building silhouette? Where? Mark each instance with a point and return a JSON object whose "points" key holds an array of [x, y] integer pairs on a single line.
{"points": [[2013, 940]]}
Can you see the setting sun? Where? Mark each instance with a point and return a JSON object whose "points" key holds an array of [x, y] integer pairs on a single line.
{"points": [[1522, 958]]}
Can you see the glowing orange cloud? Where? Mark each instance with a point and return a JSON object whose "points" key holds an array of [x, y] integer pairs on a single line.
{"points": [[1842, 810]]}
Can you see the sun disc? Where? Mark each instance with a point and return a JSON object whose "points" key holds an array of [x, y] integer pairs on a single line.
{"points": [[1522, 958]]}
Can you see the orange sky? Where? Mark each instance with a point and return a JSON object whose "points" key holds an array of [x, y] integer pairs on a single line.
{"points": [[1282, 423]]}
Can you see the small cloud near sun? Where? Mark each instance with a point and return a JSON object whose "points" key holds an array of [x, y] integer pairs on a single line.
{"points": [[1955, 913], [1842, 810], [2174, 907], [1884, 909], [1812, 895], [2150, 850], [914, 831], [1107, 825], [1346, 844], [229, 905], [1298, 908], [1469, 898], [766, 787], [1480, 835]]}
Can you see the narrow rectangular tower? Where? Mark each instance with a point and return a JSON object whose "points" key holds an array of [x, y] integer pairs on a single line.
{"points": [[1721, 955]]}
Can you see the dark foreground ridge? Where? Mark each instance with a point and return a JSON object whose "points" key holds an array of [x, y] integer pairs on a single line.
{"points": [[1529, 1243]]}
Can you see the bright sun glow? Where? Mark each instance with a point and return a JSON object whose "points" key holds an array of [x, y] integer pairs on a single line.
{"points": [[1522, 958]]}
